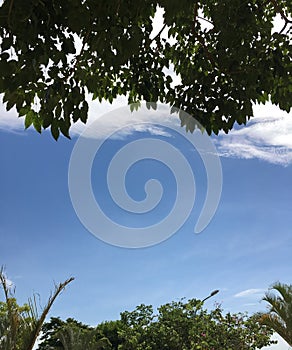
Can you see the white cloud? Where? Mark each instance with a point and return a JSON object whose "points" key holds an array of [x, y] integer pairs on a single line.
{"points": [[9, 283], [106, 119], [9, 121], [97, 110], [250, 304], [113, 122], [281, 345], [267, 136], [249, 292]]}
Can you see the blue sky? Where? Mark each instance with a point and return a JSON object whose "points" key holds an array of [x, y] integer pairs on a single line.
{"points": [[245, 248]]}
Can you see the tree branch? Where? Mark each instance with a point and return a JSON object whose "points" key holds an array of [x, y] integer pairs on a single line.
{"points": [[77, 58], [9, 13], [281, 12], [158, 34], [118, 7], [200, 38], [205, 19], [285, 25]]}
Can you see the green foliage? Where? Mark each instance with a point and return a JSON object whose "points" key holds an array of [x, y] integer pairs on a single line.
{"points": [[21, 325], [177, 326], [55, 326], [111, 331], [223, 69], [73, 335], [75, 338], [185, 325], [14, 320], [279, 317]]}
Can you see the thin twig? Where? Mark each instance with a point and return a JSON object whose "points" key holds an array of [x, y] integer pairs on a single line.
{"points": [[195, 16], [4, 283], [200, 38], [118, 8], [280, 11], [73, 68], [282, 30], [205, 19], [159, 33], [9, 13]]}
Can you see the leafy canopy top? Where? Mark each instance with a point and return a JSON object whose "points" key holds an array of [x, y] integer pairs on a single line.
{"points": [[224, 67]]}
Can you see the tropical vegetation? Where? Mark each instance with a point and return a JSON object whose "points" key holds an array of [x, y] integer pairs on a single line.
{"points": [[182, 325], [279, 316], [20, 326], [179, 325]]}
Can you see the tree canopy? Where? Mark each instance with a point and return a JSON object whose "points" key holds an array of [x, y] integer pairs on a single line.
{"points": [[224, 67], [179, 325]]}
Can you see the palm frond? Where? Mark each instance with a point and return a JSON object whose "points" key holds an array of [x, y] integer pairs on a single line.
{"points": [[21, 326], [279, 316], [38, 321]]}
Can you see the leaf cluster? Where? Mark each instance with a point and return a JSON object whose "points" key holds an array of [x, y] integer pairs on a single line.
{"points": [[279, 316], [223, 68]]}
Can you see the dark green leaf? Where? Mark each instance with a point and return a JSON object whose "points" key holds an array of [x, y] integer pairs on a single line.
{"points": [[55, 129], [29, 119]]}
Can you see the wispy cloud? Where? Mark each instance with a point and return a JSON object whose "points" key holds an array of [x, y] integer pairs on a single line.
{"points": [[9, 121], [118, 121], [268, 136], [104, 119], [249, 292], [9, 283]]}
